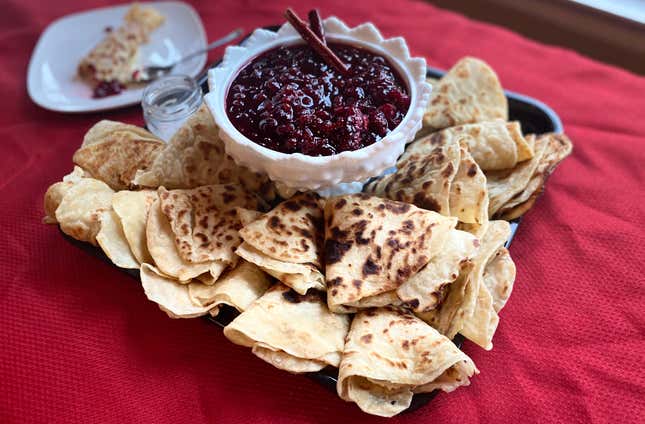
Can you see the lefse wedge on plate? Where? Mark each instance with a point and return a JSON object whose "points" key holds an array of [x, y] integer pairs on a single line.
{"points": [[375, 284]]}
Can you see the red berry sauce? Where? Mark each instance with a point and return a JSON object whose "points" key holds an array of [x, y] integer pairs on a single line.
{"points": [[289, 100], [107, 88]]}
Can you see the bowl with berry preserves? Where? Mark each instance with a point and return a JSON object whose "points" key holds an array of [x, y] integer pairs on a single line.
{"points": [[318, 107]]}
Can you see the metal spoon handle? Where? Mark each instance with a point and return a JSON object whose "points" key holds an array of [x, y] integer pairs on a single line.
{"points": [[217, 43]]}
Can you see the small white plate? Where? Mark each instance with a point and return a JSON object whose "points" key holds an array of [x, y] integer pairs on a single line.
{"points": [[52, 82]]}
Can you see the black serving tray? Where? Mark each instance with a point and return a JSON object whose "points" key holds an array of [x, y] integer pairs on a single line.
{"points": [[535, 117]]}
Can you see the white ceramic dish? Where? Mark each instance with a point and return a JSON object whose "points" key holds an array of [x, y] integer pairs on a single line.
{"points": [[323, 173], [52, 81]]}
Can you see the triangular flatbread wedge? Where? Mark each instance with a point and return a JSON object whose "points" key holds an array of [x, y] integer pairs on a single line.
{"points": [[469, 92], [425, 290], [237, 288], [112, 241], [291, 232], [300, 277], [437, 173], [296, 333], [499, 276], [195, 157], [80, 209], [424, 174], [172, 297], [468, 191], [132, 208], [469, 307], [205, 222], [112, 152], [558, 147], [161, 245], [55, 193], [494, 145], [374, 245], [390, 355], [505, 184]]}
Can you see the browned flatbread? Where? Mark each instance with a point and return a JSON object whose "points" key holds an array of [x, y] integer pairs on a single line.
{"points": [[390, 355], [494, 145], [293, 332], [514, 191], [291, 232], [558, 147], [374, 245], [469, 92], [195, 157], [438, 173], [112, 152], [205, 222], [424, 174]]}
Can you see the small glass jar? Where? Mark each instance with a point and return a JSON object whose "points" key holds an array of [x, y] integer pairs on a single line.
{"points": [[168, 102]]}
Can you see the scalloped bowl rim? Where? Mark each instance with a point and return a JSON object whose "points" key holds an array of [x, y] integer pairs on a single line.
{"points": [[221, 78]]}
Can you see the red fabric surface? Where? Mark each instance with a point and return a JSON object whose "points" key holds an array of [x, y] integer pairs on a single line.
{"points": [[79, 342]]}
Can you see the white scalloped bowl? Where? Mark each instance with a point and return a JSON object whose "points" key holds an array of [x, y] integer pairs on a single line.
{"points": [[296, 171]]}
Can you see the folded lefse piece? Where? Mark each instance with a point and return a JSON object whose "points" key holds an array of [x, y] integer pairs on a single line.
{"points": [[374, 245], [113, 152], [132, 209], [55, 193], [390, 355], [113, 59], [195, 156], [237, 288], [495, 144], [293, 332], [469, 92], [426, 290], [286, 242], [438, 173], [514, 192], [194, 232], [471, 303], [83, 202]]}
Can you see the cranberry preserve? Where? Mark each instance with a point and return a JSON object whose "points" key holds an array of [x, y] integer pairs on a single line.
{"points": [[288, 99], [107, 88]]}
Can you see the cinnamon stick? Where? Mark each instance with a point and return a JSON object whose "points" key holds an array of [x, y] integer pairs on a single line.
{"points": [[315, 43], [315, 23]]}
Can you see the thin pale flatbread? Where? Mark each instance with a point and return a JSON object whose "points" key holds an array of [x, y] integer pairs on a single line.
{"points": [[494, 145], [469, 92], [558, 147], [300, 277], [296, 333], [425, 290], [424, 174], [499, 276], [390, 355], [468, 191], [132, 208], [113, 242], [238, 288], [172, 297], [55, 193], [80, 210]]}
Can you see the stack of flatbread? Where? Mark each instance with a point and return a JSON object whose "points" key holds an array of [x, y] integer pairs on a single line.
{"points": [[469, 161], [376, 284]]}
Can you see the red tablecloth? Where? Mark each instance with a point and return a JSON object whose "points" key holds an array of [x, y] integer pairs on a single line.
{"points": [[79, 342]]}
